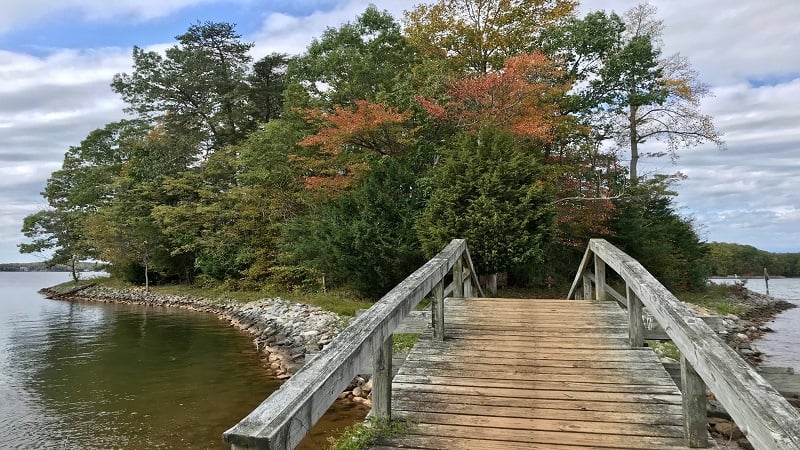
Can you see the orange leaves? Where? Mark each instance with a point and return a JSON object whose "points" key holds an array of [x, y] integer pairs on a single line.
{"points": [[521, 98], [369, 126]]}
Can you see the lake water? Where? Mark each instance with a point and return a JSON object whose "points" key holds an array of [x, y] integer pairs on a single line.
{"points": [[77, 375], [780, 347]]}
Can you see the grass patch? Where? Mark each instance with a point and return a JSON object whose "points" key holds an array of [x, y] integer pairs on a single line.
{"points": [[363, 435], [557, 291], [403, 342], [666, 349], [714, 297], [341, 302]]}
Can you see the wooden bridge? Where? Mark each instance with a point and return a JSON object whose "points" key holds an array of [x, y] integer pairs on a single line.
{"points": [[533, 374]]}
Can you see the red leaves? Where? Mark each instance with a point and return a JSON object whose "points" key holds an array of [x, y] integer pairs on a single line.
{"points": [[370, 126], [521, 98]]}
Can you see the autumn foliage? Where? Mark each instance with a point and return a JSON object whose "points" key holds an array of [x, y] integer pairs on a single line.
{"points": [[520, 98], [370, 126]]}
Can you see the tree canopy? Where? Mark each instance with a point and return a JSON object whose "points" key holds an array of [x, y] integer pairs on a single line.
{"points": [[354, 160]]}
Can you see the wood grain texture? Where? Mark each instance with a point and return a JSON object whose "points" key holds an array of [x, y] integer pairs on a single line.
{"points": [[283, 419], [765, 417], [535, 374]]}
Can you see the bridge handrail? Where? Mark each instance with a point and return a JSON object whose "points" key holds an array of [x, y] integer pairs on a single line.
{"points": [[283, 419], [763, 415]]}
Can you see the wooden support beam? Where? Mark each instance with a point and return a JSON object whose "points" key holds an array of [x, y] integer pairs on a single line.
{"points": [[635, 322], [694, 407], [382, 381], [458, 279], [599, 278], [587, 287], [438, 310]]}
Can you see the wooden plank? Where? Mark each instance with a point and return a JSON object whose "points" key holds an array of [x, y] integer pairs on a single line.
{"points": [[557, 405], [632, 355], [462, 443], [694, 406], [546, 437], [513, 424], [649, 377], [410, 407], [543, 394], [593, 364], [382, 380], [584, 385]]}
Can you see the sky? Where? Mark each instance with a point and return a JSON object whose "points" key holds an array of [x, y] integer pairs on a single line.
{"points": [[57, 59]]}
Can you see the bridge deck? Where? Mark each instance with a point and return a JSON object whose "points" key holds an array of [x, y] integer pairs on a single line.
{"points": [[535, 374]]}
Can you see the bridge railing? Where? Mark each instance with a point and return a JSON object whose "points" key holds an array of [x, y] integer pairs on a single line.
{"points": [[763, 415], [283, 419]]}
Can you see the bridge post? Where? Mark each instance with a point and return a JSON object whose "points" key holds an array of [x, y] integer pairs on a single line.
{"points": [[382, 381], [458, 278], [599, 278], [694, 406], [635, 321], [587, 287], [437, 310]]}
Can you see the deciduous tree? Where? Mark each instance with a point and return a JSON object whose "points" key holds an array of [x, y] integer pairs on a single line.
{"points": [[478, 36]]}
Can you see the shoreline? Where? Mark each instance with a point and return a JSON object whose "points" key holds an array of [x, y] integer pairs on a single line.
{"points": [[283, 332]]}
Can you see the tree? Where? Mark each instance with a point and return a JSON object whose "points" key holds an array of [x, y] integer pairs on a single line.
{"points": [[478, 36], [489, 190], [520, 98], [362, 60], [648, 96], [364, 238], [61, 232], [84, 184], [198, 88], [267, 83], [647, 227]]}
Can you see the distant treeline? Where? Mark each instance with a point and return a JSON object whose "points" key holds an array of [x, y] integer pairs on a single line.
{"points": [[44, 267], [729, 259]]}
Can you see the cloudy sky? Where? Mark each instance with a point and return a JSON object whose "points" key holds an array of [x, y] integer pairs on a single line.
{"points": [[57, 58]]}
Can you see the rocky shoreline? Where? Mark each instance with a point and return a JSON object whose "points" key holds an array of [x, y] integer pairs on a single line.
{"points": [[742, 330]]}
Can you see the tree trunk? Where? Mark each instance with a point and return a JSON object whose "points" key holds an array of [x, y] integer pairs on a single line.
{"points": [[146, 278], [74, 268], [634, 145]]}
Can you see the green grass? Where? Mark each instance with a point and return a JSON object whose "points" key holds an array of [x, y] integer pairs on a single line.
{"points": [[557, 291], [667, 349], [341, 302], [404, 342], [363, 435], [715, 298]]}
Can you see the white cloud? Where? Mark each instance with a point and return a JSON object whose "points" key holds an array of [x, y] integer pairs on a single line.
{"points": [[292, 34]]}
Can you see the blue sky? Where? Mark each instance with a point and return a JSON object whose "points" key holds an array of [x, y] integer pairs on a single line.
{"points": [[57, 58]]}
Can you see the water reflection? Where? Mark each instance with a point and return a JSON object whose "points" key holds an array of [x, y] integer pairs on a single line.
{"points": [[80, 375], [94, 376]]}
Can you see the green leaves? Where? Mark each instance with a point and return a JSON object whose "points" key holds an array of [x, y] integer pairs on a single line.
{"points": [[489, 191], [198, 89]]}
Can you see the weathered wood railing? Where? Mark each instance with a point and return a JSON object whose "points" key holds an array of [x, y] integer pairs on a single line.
{"points": [[283, 419], [763, 415]]}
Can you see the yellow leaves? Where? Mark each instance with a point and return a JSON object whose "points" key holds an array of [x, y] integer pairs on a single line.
{"points": [[478, 35]]}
